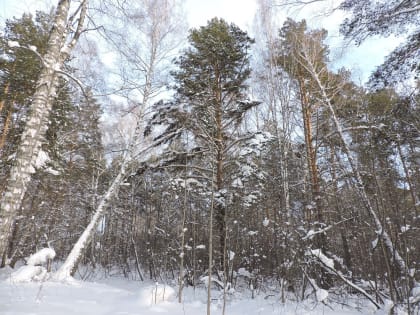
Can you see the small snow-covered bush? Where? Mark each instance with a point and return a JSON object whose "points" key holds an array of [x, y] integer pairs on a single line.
{"points": [[33, 271], [41, 257]]}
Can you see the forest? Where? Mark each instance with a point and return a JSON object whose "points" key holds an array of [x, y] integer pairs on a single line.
{"points": [[134, 146]]}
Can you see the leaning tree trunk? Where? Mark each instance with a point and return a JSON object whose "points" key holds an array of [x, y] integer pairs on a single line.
{"points": [[37, 122], [159, 21], [393, 253], [72, 261]]}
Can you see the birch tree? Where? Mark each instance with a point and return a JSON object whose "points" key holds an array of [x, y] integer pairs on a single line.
{"points": [[156, 24], [64, 34], [276, 91]]}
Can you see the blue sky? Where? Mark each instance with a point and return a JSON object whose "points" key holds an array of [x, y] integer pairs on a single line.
{"points": [[360, 60]]}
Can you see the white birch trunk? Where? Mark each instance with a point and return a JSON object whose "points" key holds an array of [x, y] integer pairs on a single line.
{"points": [[35, 128], [276, 92], [66, 270], [161, 18]]}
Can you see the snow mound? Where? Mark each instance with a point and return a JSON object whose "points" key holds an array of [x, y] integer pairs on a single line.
{"points": [[321, 295], [32, 271], [156, 294], [41, 257], [243, 272], [29, 273]]}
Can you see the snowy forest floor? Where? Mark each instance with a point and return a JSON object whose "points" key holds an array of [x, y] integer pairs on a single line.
{"points": [[118, 296]]}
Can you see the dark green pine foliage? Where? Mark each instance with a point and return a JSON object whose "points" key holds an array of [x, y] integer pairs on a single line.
{"points": [[392, 17], [213, 72], [19, 70], [210, 102]]}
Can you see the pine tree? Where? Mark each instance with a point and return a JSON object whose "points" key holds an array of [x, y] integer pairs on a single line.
{"points": [[210, 103], [295, 37], [369, 18], [20, 70]]}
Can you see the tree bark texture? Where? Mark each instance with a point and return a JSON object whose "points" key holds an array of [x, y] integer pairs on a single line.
{"points": [[35, 128]]}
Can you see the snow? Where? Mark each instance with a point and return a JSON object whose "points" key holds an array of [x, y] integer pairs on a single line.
{"points": [[321, 295], [122, 296], [52, 171], [41, 257], [156, 294], [66, 50], [246, 170], [42, 159], [243, 272], [12, 44], [237, 183], [310, 234], [405, 228], [324, 259], [266, 222], [231, 255], [250, 199], [32, 271], [205, 280], [33, 48], [28, 273]]}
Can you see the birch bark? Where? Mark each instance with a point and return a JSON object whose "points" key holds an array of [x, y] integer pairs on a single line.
{"points": [[37, 122], [160, 24]]}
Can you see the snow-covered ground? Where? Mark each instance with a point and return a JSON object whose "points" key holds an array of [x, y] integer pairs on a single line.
{"points": [[116, 296]]}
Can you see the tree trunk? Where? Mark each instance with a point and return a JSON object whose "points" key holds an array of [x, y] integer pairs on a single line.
{"points": [[361, 190], [6, 128], [210, 250], [220, 206], [411, 187], [35, 128], [320, 239], [310, 150], [70, 265], [148, 90]]}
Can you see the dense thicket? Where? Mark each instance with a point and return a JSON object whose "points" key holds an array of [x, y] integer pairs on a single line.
{"points": [[289, 179]]}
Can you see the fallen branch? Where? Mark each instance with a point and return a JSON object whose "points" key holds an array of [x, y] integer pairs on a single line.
{"points": [[346, 281]]}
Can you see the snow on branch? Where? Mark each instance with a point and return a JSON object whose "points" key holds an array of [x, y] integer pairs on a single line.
{"points": [[328, 264], [311, 233], [320, 294], [13, 44], [380, 127], [77, 81]]}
